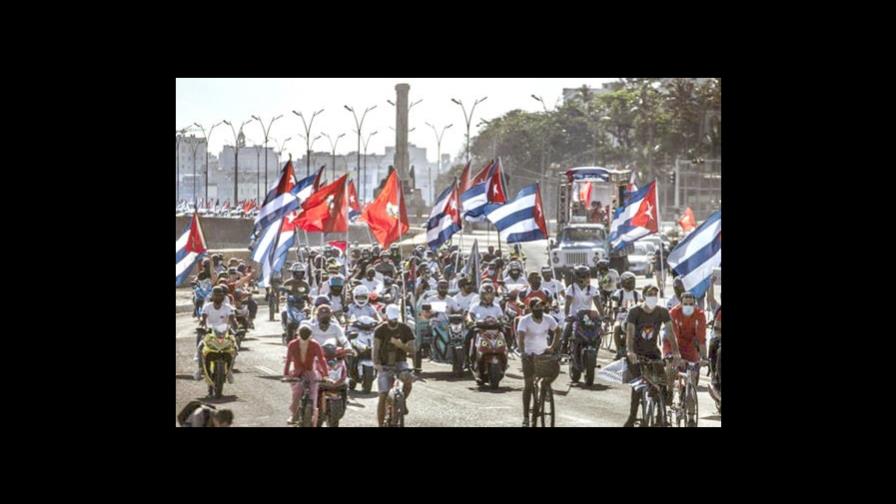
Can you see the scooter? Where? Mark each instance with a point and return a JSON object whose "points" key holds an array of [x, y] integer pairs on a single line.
{"points": [[490, 353], [218, 353], [456, 331], [585, 343], [294, 316], [360, 366], [332, 393]]}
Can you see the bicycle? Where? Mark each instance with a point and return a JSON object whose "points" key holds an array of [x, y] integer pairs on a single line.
{"points": [[686, 409], [547, 367], [394, 416], [305, 404], [653, 399]]}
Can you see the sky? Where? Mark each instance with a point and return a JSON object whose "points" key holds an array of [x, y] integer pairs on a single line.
{"points": [[208, 101]]}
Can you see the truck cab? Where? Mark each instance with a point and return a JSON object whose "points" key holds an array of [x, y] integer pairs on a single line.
{"points": [[578, 243]]}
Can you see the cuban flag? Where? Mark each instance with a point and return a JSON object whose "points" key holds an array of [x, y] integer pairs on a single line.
{"points": [[276, 209], [629, 188], [188, 249], [489, 189], [697, 255], [444, 220], [274, 246], [637, 219], [521, 219]]}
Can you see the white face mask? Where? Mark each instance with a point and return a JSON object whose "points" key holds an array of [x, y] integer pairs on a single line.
{"points": [[688, 310], [650, 301]]}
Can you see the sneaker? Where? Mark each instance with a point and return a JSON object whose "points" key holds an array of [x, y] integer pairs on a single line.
{"points": [[290, 420], [197, 375], [230, 377]]}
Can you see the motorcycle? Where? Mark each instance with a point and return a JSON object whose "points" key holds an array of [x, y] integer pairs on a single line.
{"points": [[489, 353], [294, 316], [218, 353], [585, 343], [332, 393], [360, 366], [456, 332]]}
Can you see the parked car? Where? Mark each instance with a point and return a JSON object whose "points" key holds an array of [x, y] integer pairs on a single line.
{"points": [[640, 262]]}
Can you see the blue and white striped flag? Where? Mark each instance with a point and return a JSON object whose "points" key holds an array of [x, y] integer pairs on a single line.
{"points": [[444, 220], [697, 255], [520, 219], [188, 249]]}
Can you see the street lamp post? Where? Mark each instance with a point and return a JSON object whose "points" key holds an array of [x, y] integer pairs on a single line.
{"points": [[179, 134], [390, 102], [469, 118], [207, 136], [365, 151], [266, 133], [236, 153], [258, 173], [358, 126], [193, 146], [282, 144], [307, 138], [543, 138], [438, 157], [333, 149]]}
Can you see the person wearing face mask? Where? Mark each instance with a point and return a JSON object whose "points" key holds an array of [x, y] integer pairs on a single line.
{"points": [[336, 283], [549, 284], [390, 287], [514, 277], [581, 295], [533, 332], [425, 282], [324, 328], [642, 328], [623, 300], [360, 306], [372, 280], [479, 311], [306, 357], [465, 296], [689, 327], [393, 341], [441, 296]]}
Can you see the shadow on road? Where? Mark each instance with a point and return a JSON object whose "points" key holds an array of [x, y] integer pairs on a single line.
{"points": [[184, 377], [224, 399], [712, 417], [596, 386], [447, 376], [352, 394], [500, 390], [269, 377]]}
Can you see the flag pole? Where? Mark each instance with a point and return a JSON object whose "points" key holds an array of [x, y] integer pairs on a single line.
{"points": [[659, 232]]}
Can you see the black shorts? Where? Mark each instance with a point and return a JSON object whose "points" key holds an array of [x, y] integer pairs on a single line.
{"points": [[528, 367]]}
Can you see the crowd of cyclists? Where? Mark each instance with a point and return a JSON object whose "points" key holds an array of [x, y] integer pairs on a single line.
{"points": [[322, 293]]}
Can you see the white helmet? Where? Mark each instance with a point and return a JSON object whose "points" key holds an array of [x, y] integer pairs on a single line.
{"points": [[361, 295]]}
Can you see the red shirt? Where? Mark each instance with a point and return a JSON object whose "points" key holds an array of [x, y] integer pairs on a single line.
{"points": [[312, 354], [689, 330]]}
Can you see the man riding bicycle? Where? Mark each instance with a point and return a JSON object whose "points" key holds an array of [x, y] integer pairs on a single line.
{"points": [[392, 342], [533, 332], [689, 327]]}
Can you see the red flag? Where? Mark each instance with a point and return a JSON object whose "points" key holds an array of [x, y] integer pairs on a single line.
{"points": [[340, 244], [585, 192], [386, 215], [196, 240], [318, 208], [337, 221], [353, 197], [465, 178], [496, 187], [538, 213], [687, 221]]}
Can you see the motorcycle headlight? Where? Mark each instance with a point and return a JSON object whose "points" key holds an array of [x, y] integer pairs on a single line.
{"points": [[500, 342], [556, 259]]}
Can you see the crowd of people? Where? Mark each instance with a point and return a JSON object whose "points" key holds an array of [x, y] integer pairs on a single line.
{"points": [[328, 289]]}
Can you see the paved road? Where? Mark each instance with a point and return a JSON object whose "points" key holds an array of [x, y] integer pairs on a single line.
{"points": [[258, 398]]}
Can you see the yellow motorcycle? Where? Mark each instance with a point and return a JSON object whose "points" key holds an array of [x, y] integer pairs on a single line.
{"points": [[218, 353]]}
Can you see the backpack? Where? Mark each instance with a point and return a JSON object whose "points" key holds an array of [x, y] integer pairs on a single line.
{"points": [[189, 409]]}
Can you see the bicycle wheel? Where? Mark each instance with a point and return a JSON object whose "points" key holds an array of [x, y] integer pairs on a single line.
{"points": [[547, 405], [646, 409], [536, 406], [693, 411], [660, 403]]}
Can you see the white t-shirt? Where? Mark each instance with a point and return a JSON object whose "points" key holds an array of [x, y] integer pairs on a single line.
{"points": [[217, 316], [480, 312], [536, 334], [581, 298], [334, 331], [357, 312], [465, 301], [431, 284], [554, 287], [372, 285], [450, 304]]}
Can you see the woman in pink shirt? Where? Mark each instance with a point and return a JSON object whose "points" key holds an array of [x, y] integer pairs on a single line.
{"points": [[307, 359]]}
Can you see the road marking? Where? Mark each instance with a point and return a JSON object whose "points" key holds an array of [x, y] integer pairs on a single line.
{"points": [[265, 370]]}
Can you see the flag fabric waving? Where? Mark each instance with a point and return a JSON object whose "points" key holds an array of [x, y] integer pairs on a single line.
{"points": [[444, 220], [687, 221], [354, 209], [280, 201], [483, 190], [522, 218], [387, 215], [473, 268], [188, 249], [321, 211], [697, 255], [635, 220]]}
